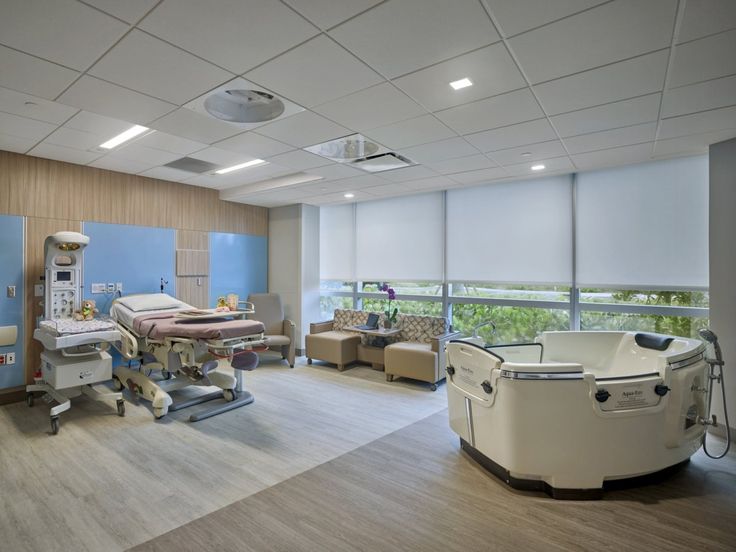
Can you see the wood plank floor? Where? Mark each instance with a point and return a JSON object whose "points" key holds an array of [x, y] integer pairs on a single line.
{"points": [[414, 490], [106, 483]]}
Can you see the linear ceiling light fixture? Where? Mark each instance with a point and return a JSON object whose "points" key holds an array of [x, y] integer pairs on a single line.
{"points": [[538, 167], [129, 134], [462, 83], [245, 165]]}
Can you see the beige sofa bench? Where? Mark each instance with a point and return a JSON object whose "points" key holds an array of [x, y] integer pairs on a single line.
{"points": [[331, 342]]}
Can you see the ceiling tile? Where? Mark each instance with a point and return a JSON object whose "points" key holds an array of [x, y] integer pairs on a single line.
{"points": [[530, 132], [15, 143], [303, 129], [434, 183], [691, 145], [615, 156], [408, 173], [556, 165], [146, 64], [699, 97], [354, 184], [62, 31], [625, 79], [254, 144], [76, 139], [389, 190], [405, 35], [522, 15], [705, 121], [167, 173], [440, 150], [130, 10], [543, 150], [617, 114], [477, 177], [170, 143], [299, 159], [109, 99], [707, 58], [606, 139], [370, 108], [23, 127], [314, 73], [105, 127], [328, 13], [491, 70], [608, 33], [149, 156], [60, 153], [503, 110], [19, 71], [337, 171], [419, 130], [33, 107], [704, 17], [120, 164], [233, 34], [193, 126], [462, 164], [221, 157]]}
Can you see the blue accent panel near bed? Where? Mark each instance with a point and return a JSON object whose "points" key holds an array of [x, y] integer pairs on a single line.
{"points": [[238, 264], [11, 308], [137, 256]]}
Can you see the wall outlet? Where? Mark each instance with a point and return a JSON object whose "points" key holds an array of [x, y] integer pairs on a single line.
{"points": [[10, 358], [11, 291], [111, 287], [119, 287], [99, 288], [2, 360], [38, 290]]}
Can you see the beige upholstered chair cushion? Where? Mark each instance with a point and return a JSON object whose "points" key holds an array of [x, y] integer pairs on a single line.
{"points": [[269, 311], [420, 329], [412, 360], [333, 346]]}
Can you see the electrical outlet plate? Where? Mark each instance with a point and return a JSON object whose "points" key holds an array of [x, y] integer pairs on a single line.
{"points": [[38, 290], [111, 287], [10, 358]]}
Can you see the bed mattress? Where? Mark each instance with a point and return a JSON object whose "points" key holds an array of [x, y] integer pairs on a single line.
{"points": [[70, 326]]}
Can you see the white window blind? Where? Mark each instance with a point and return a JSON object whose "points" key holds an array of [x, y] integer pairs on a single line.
{"points": [[644, 225], [511, 232], [337, 242], [400, 238]]}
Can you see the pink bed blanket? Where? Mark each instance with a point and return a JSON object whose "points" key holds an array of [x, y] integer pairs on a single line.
{"points": [[161, 325]]}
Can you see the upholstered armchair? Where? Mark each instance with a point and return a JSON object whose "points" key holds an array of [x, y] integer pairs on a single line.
{"points": [[280, 333]]}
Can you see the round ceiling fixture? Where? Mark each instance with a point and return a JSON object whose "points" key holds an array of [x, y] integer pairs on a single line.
{"points": [[346, 148], [243, 106]]}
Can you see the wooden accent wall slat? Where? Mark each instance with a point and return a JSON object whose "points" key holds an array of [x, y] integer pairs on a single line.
{"points": [[193, 289], [192, 262], [37, 187]]}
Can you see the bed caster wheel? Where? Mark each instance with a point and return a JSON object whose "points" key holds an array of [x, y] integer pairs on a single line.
{"points": [[29, 399], [166, 374], [309, 361], [121, 407], [158, 413], [229, 394], [117, 384], [433, 387], [54, 425]]}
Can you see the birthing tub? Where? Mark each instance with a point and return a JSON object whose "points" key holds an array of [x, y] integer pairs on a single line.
{"points": [[575, 410]]}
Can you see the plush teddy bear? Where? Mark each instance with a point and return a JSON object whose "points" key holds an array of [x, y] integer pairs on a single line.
{"points": [[88, 310]]}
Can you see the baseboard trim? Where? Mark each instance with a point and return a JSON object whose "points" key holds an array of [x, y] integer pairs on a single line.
{"points": [[12, 395]]}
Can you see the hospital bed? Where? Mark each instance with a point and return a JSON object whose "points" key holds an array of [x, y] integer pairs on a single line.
{"points": [[170, 345]]}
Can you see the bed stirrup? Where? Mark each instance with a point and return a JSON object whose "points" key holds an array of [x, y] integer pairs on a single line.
{"points": [[652, 341], [245, 361]]}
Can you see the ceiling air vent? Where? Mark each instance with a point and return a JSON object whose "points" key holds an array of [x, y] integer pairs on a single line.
{"points": [[192, 165], [383, 162]]}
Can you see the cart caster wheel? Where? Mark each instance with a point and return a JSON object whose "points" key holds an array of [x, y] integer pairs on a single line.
{"points": [[229, 394], [54, 425], [433, 387], [29, 399], [158, 413], [117, 384], [166, 374], [121, 407]]}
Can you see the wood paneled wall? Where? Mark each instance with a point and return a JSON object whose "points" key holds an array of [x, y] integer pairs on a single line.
{"points": [[37, 187], [191, 287], [57, 196]]}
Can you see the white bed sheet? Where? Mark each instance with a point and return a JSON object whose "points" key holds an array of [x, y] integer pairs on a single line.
{"points": [[124, 315]]}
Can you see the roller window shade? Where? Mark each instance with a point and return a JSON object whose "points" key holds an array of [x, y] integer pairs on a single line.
{"points": [[400, 238], [511, 232], [337, 242], [644, 226]]}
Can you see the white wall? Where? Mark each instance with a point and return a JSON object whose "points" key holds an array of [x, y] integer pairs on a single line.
{"points": [[723, 266], [309, 269]]}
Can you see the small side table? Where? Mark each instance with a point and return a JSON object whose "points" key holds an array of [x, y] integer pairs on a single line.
{"points": [[372, 353]]}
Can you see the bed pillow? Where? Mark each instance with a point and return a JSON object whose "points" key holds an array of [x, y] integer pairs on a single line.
{"points": [[152, 301]]}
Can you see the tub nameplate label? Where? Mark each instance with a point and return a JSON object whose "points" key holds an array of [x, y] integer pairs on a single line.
{"points": [[626, 396]]}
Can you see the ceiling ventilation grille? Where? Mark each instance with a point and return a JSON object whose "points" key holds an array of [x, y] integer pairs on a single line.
{"points": [[383, 162], [192, 165]]}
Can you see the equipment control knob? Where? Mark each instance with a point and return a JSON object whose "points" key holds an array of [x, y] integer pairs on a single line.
{"points": [[602, 395], [486, 385], [451, 370], [661, 389]]}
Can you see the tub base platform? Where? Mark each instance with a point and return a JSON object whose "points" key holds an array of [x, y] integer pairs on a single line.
{"points": [[567, 494]]}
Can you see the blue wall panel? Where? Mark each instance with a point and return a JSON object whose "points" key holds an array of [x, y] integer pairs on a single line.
{"points": [[238, 264], [137, 256], [11, 309]]}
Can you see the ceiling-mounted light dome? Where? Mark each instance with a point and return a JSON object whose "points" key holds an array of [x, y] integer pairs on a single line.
{"points": [[243, 106], [346, 148]]}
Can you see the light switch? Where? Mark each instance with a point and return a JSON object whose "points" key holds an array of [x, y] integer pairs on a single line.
{"points": [[38, 290], [11, 291]]}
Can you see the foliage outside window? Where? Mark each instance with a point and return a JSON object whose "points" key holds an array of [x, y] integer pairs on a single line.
{"points": [[639, 297], [426, 308], [335, 285], [504, 291], [514, 324], [328, 304], [406, 288]]}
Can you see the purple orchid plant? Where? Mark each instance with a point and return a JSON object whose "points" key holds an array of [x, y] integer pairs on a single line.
{"points": [[390, 316]]}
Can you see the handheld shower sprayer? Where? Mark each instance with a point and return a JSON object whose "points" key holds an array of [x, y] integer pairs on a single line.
{"points": [[715, 373]]}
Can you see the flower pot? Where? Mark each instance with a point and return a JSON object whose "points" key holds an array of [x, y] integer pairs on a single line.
{"points": [[387, 324]]}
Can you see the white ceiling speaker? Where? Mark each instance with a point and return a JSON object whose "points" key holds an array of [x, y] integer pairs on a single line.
{"points": [[244, 106]]}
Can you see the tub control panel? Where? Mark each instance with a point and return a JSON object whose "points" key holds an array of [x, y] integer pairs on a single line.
{"points": [[623, 395]]}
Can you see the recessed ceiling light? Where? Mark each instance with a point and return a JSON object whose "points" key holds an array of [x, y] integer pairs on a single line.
{"points": [[349, 196], [129, 134], [241, 166], [462, 83], [537, 167]]}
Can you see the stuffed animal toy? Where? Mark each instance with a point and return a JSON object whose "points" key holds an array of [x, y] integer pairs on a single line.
{"points": [[88, 310], [221, 305]]}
